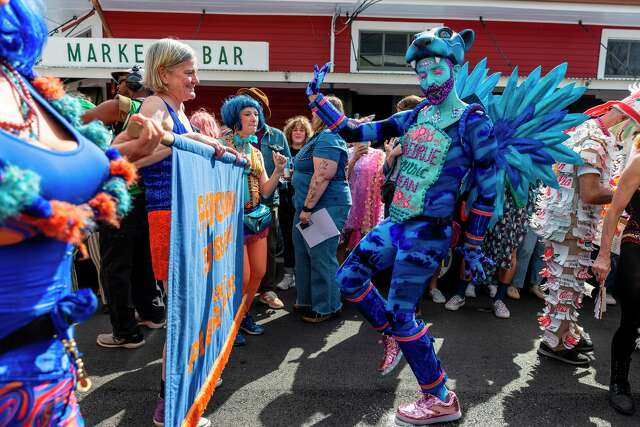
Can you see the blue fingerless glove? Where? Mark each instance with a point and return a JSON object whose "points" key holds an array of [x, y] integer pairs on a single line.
{"points": [[474, 260], [313, 88]]}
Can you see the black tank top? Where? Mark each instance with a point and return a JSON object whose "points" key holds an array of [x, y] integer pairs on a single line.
{"points": [[632, 230]]}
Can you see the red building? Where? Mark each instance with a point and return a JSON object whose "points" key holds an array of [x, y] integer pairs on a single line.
{"points": [[274, 44]]}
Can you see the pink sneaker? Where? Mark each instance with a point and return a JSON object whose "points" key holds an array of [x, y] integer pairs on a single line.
{"points": [[392, 355], [430, 410]]}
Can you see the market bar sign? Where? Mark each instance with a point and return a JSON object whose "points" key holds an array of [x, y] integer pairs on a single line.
{"points": [[75, 52]]}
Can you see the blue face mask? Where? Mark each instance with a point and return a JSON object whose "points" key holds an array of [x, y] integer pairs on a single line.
{"points": [[435, 76]]}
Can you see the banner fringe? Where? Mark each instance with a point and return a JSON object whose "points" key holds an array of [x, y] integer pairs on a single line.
{"points": [[208, 388]]}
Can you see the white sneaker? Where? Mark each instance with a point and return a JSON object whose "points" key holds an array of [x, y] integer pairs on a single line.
{"points": [[493, 290], [610, 300], [454, 303], [470, 291], [286, 282], [437, 296], [500, 310], [203, 422]]}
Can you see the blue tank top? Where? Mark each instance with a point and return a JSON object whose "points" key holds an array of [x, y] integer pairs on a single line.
{"points": [[35, 273], [157, 177]]}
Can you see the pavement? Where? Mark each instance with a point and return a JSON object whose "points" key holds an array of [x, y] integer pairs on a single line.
{"points": [[324, 374]]}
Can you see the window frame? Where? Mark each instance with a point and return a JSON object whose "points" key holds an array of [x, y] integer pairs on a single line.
{"points": [[383, 26], [614, 34]]}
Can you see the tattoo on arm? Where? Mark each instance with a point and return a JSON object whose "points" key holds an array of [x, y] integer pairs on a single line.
{"points": [[311, 194]]}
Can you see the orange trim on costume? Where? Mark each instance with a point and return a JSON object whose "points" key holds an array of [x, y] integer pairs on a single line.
{"points": [[50, 87], [381, 328], [481, 213], [123, 168], [361, 296], [435, 383], [337, 122], [473, 236], [414, 337]]}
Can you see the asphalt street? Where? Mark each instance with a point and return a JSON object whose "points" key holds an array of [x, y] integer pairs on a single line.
{"points": [[298, 374]]}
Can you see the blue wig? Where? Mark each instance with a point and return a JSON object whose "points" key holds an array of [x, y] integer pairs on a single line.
{"points": [[230, 111], [22, 34]]}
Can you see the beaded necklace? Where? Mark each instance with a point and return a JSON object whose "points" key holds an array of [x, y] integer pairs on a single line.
{"points": [[27, 105]]}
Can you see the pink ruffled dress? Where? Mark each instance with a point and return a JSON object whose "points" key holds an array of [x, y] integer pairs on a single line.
{"points": [[367, 209]]}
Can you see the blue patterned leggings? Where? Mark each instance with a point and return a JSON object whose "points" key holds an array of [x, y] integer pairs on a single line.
{"points": [[40, 403], [415, 249]]}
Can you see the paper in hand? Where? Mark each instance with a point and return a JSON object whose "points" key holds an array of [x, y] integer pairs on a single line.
{"points": [[319, 228]]}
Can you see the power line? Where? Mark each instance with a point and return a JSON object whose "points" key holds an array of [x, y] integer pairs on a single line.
{"points": [[361, 7], [495, 42], [606, 49]]}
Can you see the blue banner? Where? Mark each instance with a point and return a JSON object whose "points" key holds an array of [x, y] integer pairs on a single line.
{"points": [[205, 277]]}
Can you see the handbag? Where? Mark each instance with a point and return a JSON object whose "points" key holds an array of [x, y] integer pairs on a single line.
{"points": [[257, 219]]}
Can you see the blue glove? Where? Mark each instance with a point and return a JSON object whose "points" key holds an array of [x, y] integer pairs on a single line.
{"points": [[318, 77], [474, 260]]}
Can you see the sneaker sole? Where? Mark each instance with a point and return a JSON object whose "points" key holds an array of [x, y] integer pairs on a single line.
{"points": [[508, 316], [584, 350], [552, 355], [152, 325], [250, 332], [434, 420], [158, 423], [130, 345], [456, 308], [393, 366]]}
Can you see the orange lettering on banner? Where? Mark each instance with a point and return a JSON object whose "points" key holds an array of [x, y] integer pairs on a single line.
{"points": [[222, 293], [216, 250], [216, 206]]}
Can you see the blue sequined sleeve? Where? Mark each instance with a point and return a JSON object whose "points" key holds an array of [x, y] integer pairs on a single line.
{"points": [[377, 131], [478, 133]]}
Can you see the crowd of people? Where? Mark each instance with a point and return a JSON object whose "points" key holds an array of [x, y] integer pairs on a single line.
{"points": [[417, 198]]}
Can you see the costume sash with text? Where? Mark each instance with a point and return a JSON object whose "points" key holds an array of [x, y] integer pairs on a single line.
{"points": [[424, 150], [205, 277]]}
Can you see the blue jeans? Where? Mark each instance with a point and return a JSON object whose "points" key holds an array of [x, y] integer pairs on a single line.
{"points": [[316, 267], [530, 248]]}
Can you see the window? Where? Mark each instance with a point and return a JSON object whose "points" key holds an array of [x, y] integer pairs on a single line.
{"points": [[383, 50], [379, 46], [621, 57], [84, 34]]}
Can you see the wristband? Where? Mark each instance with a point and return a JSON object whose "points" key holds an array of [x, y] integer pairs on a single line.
{"points": [[306, 209]]}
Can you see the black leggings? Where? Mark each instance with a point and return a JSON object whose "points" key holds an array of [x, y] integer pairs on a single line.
{"points": [[628, 294]]}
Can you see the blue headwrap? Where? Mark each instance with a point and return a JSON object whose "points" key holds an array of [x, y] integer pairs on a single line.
{"points": [[23, 33], [230, 111]]}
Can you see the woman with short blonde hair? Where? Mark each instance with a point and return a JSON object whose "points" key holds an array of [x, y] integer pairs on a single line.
{"points": [[172, 73], [164, 54]]}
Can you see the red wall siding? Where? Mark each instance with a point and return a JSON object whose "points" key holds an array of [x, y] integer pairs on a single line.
{"points": [[529, 44], [295, 42], [298, 42], [284, 103]]}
